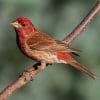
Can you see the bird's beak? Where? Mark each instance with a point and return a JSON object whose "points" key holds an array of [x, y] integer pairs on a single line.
{"points": [[15, 24]]}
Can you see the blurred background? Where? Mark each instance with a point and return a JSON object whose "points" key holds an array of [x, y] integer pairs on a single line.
{"points": [[57, 18]]}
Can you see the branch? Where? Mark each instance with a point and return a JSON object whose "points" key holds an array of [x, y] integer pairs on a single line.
{"points": [[27, 76], [32, 72], [84, 23]]}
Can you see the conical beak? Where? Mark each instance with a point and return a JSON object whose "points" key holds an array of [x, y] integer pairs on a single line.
{"points": [[15, 24]]}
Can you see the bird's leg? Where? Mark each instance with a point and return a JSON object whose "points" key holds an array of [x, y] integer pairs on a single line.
{"points": [[42, 66]]}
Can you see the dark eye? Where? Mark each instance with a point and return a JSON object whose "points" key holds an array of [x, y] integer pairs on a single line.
{"points": [[23, 25]]}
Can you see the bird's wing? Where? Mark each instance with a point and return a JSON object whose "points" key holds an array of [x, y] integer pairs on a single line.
{"points": [[68, 49], [43, 42], [40, 41]]}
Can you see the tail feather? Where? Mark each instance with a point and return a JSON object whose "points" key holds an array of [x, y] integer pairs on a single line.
{"points": [[83, 69]]}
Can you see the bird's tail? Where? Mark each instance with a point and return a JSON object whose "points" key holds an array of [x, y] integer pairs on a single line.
{"points": [[83, 69]]}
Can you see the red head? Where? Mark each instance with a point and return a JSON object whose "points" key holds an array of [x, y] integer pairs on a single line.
{"points": [[23, 26]]}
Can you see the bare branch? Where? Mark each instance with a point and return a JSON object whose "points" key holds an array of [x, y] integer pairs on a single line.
{"points": [[27, 75], [84, 23]]}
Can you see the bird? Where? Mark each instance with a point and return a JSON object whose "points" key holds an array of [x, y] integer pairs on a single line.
{"points": [[44, 49]]}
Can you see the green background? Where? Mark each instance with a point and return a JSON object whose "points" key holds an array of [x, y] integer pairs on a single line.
{"points": [[57, 18]]}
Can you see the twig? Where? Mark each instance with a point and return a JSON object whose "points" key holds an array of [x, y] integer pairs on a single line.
{"points": [[27, 75], [84, 23], [31, 72]]}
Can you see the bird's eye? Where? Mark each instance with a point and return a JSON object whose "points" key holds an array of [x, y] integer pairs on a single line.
{"points": [[23, 25]]}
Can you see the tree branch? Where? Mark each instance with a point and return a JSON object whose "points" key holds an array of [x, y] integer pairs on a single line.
{"points": [[27, 75], [84, 23], [32, 72]]}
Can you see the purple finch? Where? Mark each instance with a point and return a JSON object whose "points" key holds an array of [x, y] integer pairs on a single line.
{"points": [[43, 48]]}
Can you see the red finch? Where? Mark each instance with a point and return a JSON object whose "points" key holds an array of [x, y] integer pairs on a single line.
{"points": [[43, 48]]}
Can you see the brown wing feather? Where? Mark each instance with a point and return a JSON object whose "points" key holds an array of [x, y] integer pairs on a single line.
{"points": [[41, 41]]}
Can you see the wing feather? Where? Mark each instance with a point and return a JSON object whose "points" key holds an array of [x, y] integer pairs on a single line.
{"points": [[43, 42]]}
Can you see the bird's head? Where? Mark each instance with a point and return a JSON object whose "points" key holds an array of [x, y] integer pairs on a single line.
{"points": [[23, 26]]}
